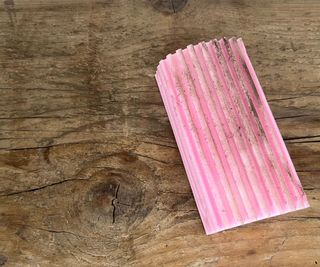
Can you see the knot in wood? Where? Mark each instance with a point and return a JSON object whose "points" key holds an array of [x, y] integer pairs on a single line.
{"points": [[116, 196]]}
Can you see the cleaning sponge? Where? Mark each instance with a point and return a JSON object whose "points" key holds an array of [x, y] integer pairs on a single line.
{"points": [[236, 161]]}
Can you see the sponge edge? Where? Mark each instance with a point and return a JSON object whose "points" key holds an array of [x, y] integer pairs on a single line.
{"points": [[235, 158]]}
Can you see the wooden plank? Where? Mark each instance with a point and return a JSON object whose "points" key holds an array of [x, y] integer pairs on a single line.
{"points": [[90, 172]]}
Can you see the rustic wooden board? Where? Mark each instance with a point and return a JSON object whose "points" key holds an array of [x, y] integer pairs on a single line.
{"points": [[90, 172]]}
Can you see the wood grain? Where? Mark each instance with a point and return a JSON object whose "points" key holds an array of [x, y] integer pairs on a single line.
{"points": [[90, 172]]}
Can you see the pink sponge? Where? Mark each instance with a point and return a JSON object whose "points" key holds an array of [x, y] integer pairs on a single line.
{"points": [[237, 163]]}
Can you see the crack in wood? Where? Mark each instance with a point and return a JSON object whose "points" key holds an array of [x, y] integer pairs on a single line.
{"points": [[291, 117], [157, 144], [174, 210], [289, 98], [278, 250], [308, 170], [308, 217], [60, 144], [175, 193], [157, 160], [40, 188], [301, 137], [56, 231], [113, 203]]}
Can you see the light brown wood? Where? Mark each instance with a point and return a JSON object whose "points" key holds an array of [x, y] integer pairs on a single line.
{"points": [[89, 170]]}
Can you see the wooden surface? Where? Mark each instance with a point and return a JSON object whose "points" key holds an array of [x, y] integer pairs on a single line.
{"points": [[90, 173]]}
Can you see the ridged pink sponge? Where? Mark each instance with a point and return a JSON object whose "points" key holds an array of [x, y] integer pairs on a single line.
{"points": [[236, 161]]}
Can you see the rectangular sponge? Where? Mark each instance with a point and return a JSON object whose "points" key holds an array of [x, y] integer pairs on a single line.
{"points": [[235, 158]]}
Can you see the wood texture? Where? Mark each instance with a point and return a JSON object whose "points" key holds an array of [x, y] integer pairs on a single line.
{"points": [[90, 172]]}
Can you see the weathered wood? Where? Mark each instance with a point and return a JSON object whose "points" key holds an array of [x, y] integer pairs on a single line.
{"points": [[90, 172]]}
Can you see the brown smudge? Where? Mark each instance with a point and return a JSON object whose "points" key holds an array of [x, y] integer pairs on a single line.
{"points": [[255, 91], [256, 116], [229, 51], [251, 252], [3, 260], [128, 157], [9, 7], [218, 49], [168, 6], [17, 159], [300, 189]]}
